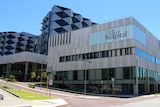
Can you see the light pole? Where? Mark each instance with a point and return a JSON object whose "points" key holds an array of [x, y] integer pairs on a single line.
{"points": [[41, 76], [85, 76]]}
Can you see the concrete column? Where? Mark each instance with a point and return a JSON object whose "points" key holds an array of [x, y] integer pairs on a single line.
{"points": [[26, 71], [136, 82], [8, 70], [148, 83]]}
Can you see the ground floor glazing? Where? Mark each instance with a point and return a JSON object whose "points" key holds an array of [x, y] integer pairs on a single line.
{"points": [[122, 80], [22, 70]]}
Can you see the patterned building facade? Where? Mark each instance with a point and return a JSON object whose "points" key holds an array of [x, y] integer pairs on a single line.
{"points": [[13, 42], [60, 20], [17, 48]]}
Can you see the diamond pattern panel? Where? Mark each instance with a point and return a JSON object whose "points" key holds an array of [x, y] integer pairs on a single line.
{"points": [[61, 19], [13, 42]]}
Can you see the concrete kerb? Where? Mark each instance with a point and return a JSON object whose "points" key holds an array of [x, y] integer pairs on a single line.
{"points": [[75, 95]]}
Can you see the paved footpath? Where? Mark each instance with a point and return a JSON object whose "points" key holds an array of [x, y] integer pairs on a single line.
{"points": [[79, 100], [155, 102], [12, 101]]}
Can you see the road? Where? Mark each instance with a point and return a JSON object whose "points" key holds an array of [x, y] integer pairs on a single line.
{"points": [[78, 100]]}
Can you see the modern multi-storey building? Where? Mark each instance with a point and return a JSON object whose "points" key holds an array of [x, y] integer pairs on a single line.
{"points": [[118, 57], [60, 20], [18, 57], [22, 53], [13, 42]]}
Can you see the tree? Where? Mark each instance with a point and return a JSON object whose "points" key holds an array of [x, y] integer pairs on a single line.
{"points": [[44, 75], [38, 78], [33, 75]]}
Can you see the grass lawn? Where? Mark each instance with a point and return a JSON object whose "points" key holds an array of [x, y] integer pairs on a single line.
{"points": [[30, 96]]}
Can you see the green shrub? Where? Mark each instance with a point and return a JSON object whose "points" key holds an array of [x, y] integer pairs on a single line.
{"points": [[6, 79], [11, 78], [31, 85], [5, 87]]}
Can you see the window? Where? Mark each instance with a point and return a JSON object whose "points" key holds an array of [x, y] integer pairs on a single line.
{"points": [[65, 73], [74, 58], [126, 73], [74, 27], [123, 51], [71, 58], [113, 52], [75, 20], [60, 75], [61, 59], [74, 75], [126, 51], [132, 72], [96, 54], [60, 30], [80, 57], [87, 55], [62, 14], [140, 73], [67, 58], [111, 73], [118, 52], [110, 53], [105, 74], [131, 50], [91, 55], [56, 76], [104, 54], [61, 22], [84, 56]]}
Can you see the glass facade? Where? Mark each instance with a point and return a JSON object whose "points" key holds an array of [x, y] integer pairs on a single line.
{"points": [[100, 54], [117, 34], [147, 56], [100, 80]]}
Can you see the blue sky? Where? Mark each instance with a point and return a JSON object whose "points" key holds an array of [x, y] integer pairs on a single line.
{"points": [[26, 15]]}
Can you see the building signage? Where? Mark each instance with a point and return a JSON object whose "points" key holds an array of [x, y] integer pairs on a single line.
{"points": [[117, 34], [111, 35], [114, 35]]}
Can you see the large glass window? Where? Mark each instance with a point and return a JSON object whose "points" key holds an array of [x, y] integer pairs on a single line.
{"points": [[111, 73], [60, 75], [126, 73], [65, 73], [145, 55], [133, 72], [105, 74], [140, 73], [75, 75]]}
